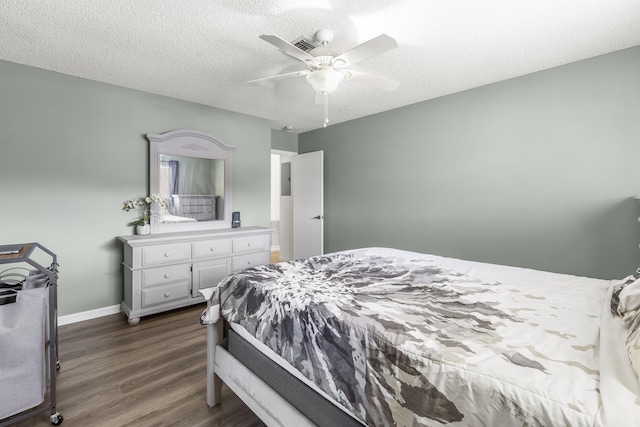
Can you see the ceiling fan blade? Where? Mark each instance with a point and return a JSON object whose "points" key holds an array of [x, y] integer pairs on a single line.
{"points": [[375, 81], [366, 50], [287, 47], [278, 77]]}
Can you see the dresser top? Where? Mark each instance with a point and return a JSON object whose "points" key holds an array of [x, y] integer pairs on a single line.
{"points": [[141, 240]]}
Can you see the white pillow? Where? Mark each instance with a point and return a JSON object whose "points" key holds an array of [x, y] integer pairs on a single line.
{"points": [[628, 307], [615, 293], [633, 343], [629, 299]]}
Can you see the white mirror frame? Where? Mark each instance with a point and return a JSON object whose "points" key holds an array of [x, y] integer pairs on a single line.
{"points": [[189, 143]]}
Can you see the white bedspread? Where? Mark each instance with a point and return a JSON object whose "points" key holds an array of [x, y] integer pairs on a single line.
{"points": [[482, 344]]}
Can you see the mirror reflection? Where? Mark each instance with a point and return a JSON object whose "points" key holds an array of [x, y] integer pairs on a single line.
{"points": [[194, 189]]}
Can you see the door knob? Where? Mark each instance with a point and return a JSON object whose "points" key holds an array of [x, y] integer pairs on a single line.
{"points": [[317, 217]]}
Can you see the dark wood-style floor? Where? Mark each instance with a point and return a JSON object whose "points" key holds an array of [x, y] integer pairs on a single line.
{"points": [[151, 374]]}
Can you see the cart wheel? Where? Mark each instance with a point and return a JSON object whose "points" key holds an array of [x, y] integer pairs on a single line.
{"points": [[58, 365], [56, 419]]}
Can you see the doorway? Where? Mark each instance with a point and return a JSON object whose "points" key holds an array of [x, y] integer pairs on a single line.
{"points": [[297, 212], [281, 243]]}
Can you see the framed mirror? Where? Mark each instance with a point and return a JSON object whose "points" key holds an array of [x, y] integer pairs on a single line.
{"points": [[192, 171]]}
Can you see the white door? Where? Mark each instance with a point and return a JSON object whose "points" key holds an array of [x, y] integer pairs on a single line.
{"points": [[307, 186]]}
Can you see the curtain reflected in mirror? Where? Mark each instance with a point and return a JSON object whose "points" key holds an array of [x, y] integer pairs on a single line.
{"points": [[193, 187]]}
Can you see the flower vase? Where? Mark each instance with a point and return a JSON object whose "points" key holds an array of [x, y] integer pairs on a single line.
{"points": [[143, 229]]}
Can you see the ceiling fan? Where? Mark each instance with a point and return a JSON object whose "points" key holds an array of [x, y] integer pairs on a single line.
{"points": [[327, 67]]}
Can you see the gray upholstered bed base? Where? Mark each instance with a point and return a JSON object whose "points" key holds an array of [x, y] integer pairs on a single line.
{"points": [[301, 396]]}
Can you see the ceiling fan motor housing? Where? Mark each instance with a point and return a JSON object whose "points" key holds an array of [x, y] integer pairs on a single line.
{"points": [[321, 62]]}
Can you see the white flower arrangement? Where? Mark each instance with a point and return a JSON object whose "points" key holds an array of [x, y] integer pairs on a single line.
{"points": [[144, 206]]}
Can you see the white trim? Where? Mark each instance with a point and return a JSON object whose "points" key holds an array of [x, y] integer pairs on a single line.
{"points": [[88, 315], [293, 153]]}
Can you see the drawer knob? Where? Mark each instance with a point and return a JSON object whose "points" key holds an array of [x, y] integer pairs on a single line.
{"points": [[212, 249], [167, 254], [167, 275], [249, 244], [249, 262], [167, 294]]}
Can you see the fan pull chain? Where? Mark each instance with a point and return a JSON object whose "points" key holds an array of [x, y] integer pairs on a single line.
{"points": [[326, 109]]}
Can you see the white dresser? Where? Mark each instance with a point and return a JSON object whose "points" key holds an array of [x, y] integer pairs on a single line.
{"points": [[166, 271]]}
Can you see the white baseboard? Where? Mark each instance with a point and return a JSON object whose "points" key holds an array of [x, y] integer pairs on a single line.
{"points": [[87, 315]]}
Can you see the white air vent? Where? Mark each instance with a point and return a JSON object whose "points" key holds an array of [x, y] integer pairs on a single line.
{"points": [[304, 44]]}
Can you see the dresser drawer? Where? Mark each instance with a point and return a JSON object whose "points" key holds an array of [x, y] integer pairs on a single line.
{"points": [[211, 248], [207, 274], [163, 254], [250, 244], [162, 275], [245, 261], [166, 293]]}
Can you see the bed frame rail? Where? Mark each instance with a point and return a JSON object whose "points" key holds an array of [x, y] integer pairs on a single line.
{"points": [[265, 402]]}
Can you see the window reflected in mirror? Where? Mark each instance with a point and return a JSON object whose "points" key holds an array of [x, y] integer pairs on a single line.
{"points": [[194, 188]]}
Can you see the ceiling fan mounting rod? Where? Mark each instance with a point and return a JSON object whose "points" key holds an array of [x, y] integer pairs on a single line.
{"points": [[323, 36]]}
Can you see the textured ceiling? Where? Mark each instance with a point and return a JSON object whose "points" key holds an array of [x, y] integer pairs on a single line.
{"points": [[205, 51]]}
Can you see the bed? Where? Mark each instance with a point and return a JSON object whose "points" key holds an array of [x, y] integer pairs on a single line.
{"points": [[197, 207], [391, 337], [186, 208]]}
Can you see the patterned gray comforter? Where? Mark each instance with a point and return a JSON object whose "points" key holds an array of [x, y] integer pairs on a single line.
{"points": [[407, 339]]}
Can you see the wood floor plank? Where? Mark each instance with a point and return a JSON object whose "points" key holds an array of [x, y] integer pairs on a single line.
{"points": [[151, 374]]}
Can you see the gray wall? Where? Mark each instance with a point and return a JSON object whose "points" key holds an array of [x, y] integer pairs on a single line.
{"points": [[537, 171], [72, 150], [285, 141]]}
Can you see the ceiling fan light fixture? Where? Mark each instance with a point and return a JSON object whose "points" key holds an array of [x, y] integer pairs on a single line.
{"points": [[324, 81]]}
